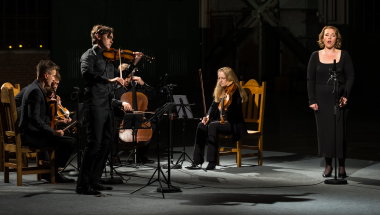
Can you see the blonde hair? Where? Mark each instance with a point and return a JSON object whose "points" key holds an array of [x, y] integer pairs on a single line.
{"points": [[230, 76], [338, 42]]}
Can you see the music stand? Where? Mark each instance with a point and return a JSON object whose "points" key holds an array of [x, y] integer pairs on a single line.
{"points": [[156, 118], [184, 112], [134, 122]]}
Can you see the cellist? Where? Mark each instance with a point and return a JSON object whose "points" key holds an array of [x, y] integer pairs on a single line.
{"points": [[142, 87], [211, 125]]}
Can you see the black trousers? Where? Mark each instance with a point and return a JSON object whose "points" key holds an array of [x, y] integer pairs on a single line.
{"points": [[99, 138], [64, 146], [141, 152], [209, 132]]}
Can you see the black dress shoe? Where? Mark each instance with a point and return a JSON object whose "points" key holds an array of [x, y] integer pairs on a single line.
{"points": [[211, 166], [86, 190], [144, 160], [328, 174], [59, 178], [342, 175], [98, 186], [193, 166]]}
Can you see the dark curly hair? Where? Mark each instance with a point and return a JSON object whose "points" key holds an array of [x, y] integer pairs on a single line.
{"points": [[100, 29]]}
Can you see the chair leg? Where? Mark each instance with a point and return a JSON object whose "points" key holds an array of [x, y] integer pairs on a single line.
{"points": [[24, 160], [218, 158], [38, 164], [260, 157], [52, 167], [19, 168], [238, 154], [6, 169]]}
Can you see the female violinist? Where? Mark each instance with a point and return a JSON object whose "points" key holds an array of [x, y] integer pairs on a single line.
{"points": [[228, 90]]}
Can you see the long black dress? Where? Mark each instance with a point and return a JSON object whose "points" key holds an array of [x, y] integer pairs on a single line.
{"points": [[320, 93]]}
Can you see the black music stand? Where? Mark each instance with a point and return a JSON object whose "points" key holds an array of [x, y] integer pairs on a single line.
{"points": [[184, 112], [156, 118], [133, 122]]}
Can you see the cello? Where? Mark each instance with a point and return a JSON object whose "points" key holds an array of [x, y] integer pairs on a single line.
{"points": [[139, 105]]}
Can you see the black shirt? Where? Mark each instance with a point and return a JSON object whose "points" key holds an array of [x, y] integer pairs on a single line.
{"points": [[96, 71]]}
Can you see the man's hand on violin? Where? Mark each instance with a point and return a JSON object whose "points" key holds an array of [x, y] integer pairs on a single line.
{"points": [[127, 106], [138, 80], [118, 81], [205, 120], [58, 133], [138, 56], [58, 99]]}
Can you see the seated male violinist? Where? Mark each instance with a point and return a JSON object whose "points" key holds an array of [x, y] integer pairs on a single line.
{"points": [[34, 120], [51, 94], [141, 87]]}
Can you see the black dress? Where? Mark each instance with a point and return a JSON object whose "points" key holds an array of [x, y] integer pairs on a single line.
{"points": [[320, 93]]}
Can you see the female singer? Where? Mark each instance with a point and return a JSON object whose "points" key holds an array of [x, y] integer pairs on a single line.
{"points": [[322, 100], [210, 127]]}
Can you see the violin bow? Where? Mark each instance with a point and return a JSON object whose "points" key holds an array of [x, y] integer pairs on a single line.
{"points": [[203, 93]]}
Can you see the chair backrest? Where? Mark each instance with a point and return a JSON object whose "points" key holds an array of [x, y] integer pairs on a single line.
{"points": [[16, 88], [253, 109], [8, 111]]}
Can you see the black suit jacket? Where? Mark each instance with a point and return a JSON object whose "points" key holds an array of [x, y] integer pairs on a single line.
{"points": [[234, 116], [96, 71], [34, 119]]}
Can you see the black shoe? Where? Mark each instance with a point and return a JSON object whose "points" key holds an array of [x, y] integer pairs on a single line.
{"points": [[193, 166], [328, 174], [86, 190], [59, 178], [342, 175], [144, 160], [98, 186], [211, 166]]}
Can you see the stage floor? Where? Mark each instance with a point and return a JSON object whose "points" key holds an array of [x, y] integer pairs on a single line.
{"points": [[286, 184]]}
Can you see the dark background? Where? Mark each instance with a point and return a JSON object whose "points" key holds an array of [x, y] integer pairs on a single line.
{"points": [[273, 45]]}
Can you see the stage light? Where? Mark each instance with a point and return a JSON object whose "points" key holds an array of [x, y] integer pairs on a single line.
{"points": [[40, 46], [20, 46], [10, 47]]}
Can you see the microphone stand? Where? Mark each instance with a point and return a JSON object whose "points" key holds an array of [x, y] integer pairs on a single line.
{"points": [[334, 77], [79, 153]]}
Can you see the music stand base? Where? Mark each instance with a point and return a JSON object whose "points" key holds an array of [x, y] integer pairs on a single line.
{"points": [[336, 181], [172, 166], [112, 180], [74, 173], [171, 189]]}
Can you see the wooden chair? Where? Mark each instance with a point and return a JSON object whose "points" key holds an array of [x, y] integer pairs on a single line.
{"points": [[9, 118], [16, 90], [253, 111]]}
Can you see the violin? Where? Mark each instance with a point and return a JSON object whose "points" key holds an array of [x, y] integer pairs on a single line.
{"points": [[226, 99], [53, 113], [125, 55]]}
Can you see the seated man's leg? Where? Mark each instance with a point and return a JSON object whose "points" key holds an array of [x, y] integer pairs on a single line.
{"points": [[64, 147]]}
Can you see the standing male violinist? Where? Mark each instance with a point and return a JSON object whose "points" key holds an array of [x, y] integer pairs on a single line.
{"points": [[100, 77], [143, 88], [34, 120]]}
